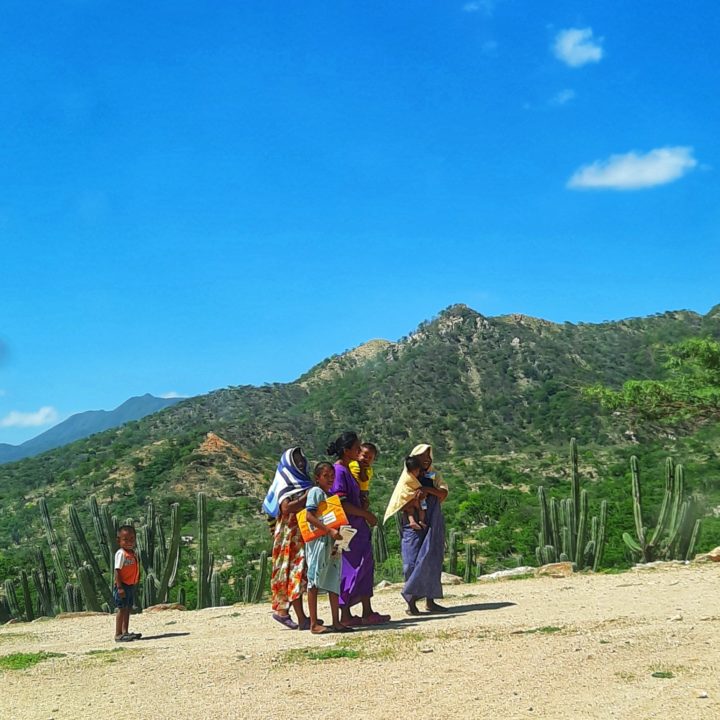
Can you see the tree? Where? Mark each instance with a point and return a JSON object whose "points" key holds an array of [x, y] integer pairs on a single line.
{"points": [[690, 390]]}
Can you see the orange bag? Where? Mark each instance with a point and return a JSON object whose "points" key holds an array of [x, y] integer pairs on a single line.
{"points": [[329, 511]]}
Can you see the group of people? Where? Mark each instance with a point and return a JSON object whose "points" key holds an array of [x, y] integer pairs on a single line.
{"points": [[348, 576]]}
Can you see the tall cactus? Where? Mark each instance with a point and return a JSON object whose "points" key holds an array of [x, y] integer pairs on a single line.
{"points": [[12, 599], [87, 588], [101, 580], [27, 598], [204, 561], [261, 577], [52, 542], [469, 574], [676, 529], [567, 533], [215, 589], [452, 551], [171, 556], [379, 545]]}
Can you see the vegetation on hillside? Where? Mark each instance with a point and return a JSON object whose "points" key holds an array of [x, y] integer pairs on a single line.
{"points": [[498, 398]]}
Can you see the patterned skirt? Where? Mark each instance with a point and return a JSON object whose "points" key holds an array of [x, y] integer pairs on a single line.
{"points": [[288, 581]]}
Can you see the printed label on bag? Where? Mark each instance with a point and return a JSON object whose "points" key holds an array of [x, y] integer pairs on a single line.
{"points": [[329, 517]]}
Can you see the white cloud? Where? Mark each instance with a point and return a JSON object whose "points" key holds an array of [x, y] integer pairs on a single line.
{"points": [[486, 6], [576, 47], [564, 96], [172, 394], [633, 171], [44, 416]]}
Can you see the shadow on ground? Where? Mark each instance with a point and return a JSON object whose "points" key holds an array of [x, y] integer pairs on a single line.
{"points": [[453, 611], [163, 635]]}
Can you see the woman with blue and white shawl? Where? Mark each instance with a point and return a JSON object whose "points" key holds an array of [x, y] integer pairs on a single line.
{"points": [[286, 496]]}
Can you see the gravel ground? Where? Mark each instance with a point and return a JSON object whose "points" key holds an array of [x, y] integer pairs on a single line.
{"points": [[578, 647]]}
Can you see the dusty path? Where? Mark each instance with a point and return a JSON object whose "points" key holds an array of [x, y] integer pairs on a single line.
{"points": [[581, 647]]}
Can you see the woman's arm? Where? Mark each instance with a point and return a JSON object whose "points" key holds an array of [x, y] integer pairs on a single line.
{"points": [[314, 520], [440, 493], [293, 506], [351, 509]]}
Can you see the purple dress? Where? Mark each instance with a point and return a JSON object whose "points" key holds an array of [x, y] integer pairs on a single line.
{"points": [[358, 567]]}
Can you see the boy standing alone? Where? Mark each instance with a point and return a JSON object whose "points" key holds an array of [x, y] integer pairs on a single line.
{"points": [[127, 576]]}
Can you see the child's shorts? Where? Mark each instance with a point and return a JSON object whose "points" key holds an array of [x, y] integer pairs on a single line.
{"points": [[128, 600]]}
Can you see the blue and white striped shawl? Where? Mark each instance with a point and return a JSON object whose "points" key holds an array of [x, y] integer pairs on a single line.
{"points": [[289, 480]]}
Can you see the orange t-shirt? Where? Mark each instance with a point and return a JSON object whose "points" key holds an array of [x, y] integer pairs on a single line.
{"points": [[127, 566]]}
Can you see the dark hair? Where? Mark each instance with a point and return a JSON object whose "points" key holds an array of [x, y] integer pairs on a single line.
{"points": [[371, 446], [126, 528], [341, 444], [413, 462], [320, 467]]}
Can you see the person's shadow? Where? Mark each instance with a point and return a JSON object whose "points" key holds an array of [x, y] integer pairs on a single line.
{"points": [[163, 635], [452, 611]]}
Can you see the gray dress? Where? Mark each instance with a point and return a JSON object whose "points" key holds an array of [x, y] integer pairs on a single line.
{"points": [[323, 569]]}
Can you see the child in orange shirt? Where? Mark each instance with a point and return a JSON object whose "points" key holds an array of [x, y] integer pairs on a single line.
{"points": [[127, 576]]}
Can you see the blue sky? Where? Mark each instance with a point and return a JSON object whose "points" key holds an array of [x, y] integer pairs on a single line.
{"points": [[198, 195]]}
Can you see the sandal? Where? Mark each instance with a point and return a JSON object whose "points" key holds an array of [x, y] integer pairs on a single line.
{"points": [[342, 629], [285, 620], [135, 636], [124, 638], [320, 630]]}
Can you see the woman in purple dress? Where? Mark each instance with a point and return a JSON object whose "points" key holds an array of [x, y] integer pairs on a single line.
{"points": [[358, 568]]}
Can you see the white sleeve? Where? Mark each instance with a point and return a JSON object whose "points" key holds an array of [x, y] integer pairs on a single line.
{"points": [[119, 559]]}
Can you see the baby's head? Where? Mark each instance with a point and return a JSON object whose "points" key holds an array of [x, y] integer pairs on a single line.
{"points": [[414, 465], [126, 537], [368, 454], [324, 476]]}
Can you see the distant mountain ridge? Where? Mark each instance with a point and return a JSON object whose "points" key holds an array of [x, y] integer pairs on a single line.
{"points": [[84, 424]]}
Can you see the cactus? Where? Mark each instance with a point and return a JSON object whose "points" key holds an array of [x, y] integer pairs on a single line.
{"points": [[214, 589], [452, 552], [262, 575], [12, 599], [101, 580], [5, 615], [43, 594], [567, 533], [398, 525], [246, 589], [378, 544], [600, 541], [469, 562], [676, 529], [87, 588], [171, 557], [181, 596], [52, 542], [27, 598], [150, 587], [204, 560]]}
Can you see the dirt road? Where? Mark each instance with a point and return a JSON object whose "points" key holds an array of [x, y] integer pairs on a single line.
{"points": [[579, 647]]}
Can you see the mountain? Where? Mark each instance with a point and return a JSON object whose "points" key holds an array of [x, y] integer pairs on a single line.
{"points": [[83, 424], [497, 397]]}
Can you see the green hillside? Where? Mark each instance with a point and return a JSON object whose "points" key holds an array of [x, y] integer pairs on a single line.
{"points": [[498, 398]]}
